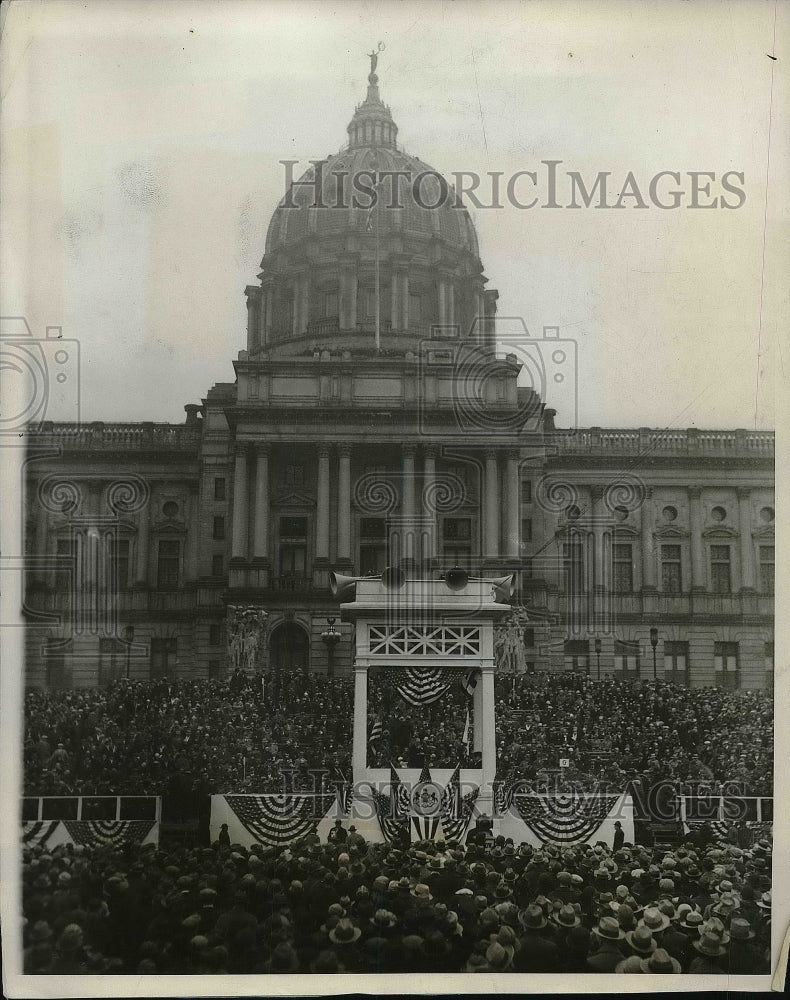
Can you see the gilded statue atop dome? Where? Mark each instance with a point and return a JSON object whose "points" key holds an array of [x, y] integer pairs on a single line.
{"points": [[374, 60]]}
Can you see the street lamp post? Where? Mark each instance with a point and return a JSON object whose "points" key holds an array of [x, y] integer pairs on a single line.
{"points": [[598, 655], [331, 638], [128, 638], [654, 643]]}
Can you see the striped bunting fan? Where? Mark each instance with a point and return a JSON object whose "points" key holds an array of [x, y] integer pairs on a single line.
{"points": [[503, 796], [392, 809], [568, 819], [456, 812], [108, 832], [420, 685], [38, 831], [274, 820]]}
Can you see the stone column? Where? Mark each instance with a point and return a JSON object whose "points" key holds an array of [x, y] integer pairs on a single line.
{"points": [[697, 551], [648, 545], [253, 301], [513, 505], [491, 512], [304, 303], [344, 503], [442, 302], [268, 314], [408, 505], [322, 505], [450, 303], [143, 526], [40, 542], [260, 545], [747, 546], [429, 506], [394, 301], [488, 725], [360, 737], [404, 300], [240, 504], [599, 532]]}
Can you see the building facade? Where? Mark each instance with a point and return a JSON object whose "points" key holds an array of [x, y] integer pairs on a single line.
{"points": [[373, 422]]}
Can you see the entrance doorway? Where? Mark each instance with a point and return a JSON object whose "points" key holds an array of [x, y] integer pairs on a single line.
{"points": [[289, 648]]}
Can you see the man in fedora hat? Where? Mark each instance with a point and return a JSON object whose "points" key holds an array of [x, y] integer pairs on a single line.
{"points": [[661, 963], [744, 957], [537, 951], [710, 959], [606, 942]]}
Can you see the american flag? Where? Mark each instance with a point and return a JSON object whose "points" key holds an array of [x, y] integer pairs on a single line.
{"points": [[376, 733], [456, 811], [276, 819], [101, 833], [420, 685], [469, 683], [467, 730], [389, 809]]}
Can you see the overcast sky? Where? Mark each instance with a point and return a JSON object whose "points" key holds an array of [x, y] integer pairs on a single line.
{"points": [[141, 146]]}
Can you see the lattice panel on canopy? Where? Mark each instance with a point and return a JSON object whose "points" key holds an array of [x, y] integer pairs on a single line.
{"points": [[426, 640]]}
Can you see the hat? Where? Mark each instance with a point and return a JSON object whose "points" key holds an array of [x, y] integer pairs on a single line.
{"points": [[708, 944], [499, 957], [533, 918], [625, 916], [344, 932], [566, 917], [629, 966], [384, 918], [765, 901], [660, 963], [741, 929], [654, 919], [284, 958], [422, 891], [609, 929], [641, 940], [692, 921]]}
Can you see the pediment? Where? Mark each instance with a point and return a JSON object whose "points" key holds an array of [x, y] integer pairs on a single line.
{"points": [[169, 524], [670, 531], [764, 531], [293, 499], [720, 531]]}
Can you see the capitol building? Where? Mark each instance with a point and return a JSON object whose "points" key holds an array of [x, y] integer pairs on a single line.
{"points": [[376, 420]]}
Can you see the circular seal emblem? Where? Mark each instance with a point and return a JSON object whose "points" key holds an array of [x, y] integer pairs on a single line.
{"points": [[426, 798]]}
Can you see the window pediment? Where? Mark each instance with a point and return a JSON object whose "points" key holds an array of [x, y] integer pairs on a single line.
{"points": [[293, 499], [720, 531], [670, 531]]}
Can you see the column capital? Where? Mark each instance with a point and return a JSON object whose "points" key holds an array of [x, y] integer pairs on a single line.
{"points": [[263, 447], [513, 454], [430, 451], [744, 492], [597, 491], [344, 450], [409, 450], [694, 492], [323, 450]]}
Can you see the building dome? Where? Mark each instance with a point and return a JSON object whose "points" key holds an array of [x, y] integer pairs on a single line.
{"points": [[371, 230]]}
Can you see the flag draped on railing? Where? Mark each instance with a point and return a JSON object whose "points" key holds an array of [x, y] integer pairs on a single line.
{"points": [[108, 832], [570, 818], [277, 819], [38, 831], [420, 685], [393, 810], [456, 811]]}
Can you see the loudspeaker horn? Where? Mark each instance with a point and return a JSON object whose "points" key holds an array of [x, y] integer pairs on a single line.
{"points": [[393, 578], [456, 578], [342, 587], [503, 588]]}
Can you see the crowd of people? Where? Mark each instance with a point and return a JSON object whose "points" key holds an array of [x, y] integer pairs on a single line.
{"points": [[486, 906], [241, 735]]}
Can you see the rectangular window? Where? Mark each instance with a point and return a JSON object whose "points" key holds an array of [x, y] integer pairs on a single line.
{"points": [[167, 563], [372, 560], [626, 658], [215, 635], [676, 663], [577, 655], [373, 528], [219, 488], [293, 560], [623, 568], [217, 564], [725, 665], [219, 528], [111, 660], [293, 527], [767, 560], [457, 540], [120, 564], [415, 308], [526, 491], [529, 638], [671, 578], [720, 569], [526, 529], [330, 304], [294, 475], [163, 657]]}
